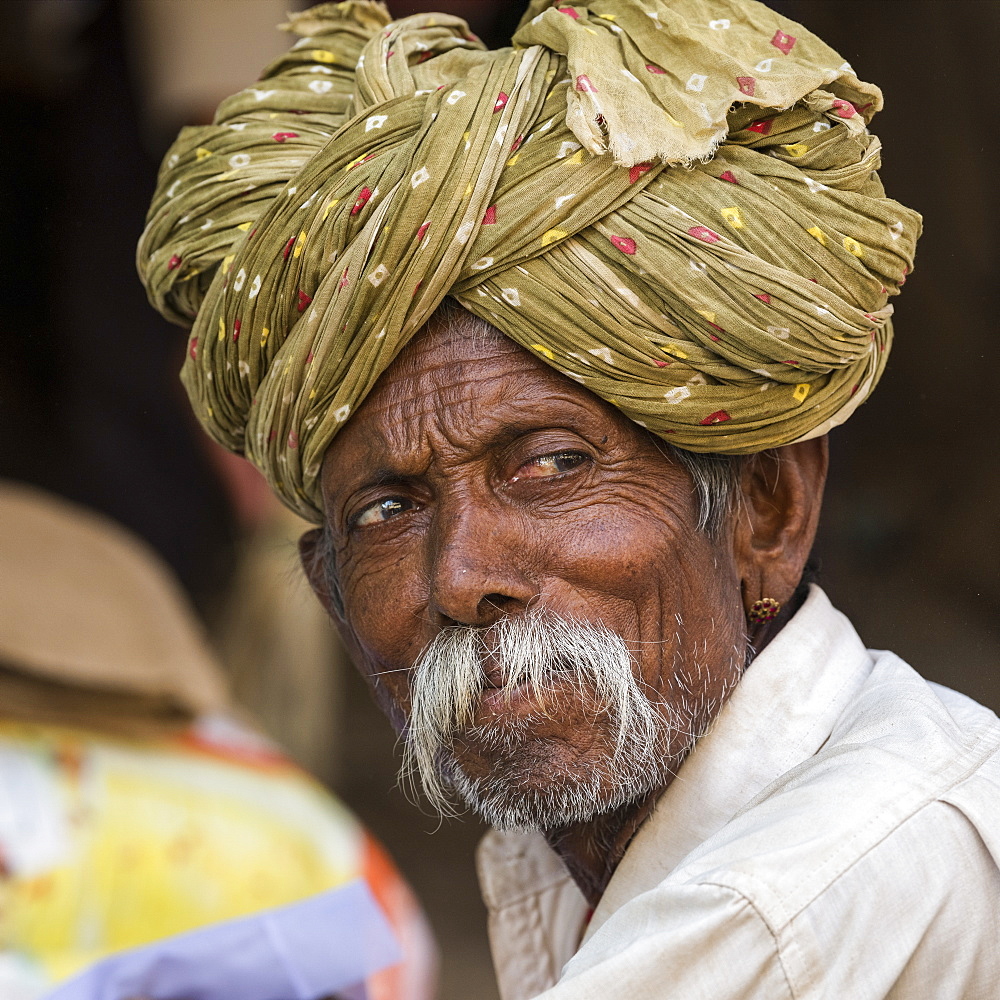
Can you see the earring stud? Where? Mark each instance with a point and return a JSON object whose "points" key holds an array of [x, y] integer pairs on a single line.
{"points": [[764, 610]]}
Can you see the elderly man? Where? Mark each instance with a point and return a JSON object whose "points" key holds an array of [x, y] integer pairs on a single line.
{"points": [[546, 341]]}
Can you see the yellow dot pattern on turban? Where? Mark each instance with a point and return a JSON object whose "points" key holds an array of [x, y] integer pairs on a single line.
{"points": [[673, 203]]}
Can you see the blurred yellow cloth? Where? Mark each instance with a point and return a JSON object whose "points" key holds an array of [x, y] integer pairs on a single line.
{"points": [[111, 843], [133, 804]]}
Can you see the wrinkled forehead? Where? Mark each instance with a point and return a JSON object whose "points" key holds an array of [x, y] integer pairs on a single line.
{"points": [[454, 348], [463, 380]]}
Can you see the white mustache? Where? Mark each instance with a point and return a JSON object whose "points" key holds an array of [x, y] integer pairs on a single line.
{"points": [[530, 649]]}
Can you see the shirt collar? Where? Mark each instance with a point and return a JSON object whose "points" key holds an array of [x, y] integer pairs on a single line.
{"points": [[781, 713]]}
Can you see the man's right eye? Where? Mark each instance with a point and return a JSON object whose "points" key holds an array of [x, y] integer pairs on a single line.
{"points": [[381, 510]]}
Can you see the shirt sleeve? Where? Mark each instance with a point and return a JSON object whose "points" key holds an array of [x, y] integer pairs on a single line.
{"points": [[678, 942]]}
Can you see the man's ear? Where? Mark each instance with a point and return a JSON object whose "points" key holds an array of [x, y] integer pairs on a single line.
{"points": [[315, 557], [782, 491]]}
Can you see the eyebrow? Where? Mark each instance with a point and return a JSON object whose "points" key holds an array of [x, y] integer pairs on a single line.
{"points": [[384, 474], [381, 476]]}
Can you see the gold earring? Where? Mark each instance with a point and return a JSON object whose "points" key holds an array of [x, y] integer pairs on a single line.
{"points": [[764, 610]]}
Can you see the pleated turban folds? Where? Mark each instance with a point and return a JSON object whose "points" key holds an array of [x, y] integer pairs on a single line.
{"points": [[673, 202]]}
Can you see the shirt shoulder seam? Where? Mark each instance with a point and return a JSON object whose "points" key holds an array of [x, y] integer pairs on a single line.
{"points": [[762, 917]]}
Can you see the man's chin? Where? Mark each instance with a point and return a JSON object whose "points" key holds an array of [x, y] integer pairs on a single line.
{"points": [[526, 807], [541, 787]]}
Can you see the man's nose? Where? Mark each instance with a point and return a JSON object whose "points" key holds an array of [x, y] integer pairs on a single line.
{"points": [[478, 565]]}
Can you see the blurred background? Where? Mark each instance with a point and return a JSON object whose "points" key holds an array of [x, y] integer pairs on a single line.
{"points": [[92, 93]]}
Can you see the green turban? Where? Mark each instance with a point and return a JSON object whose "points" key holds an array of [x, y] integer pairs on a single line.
{"points": [[673, 203]]}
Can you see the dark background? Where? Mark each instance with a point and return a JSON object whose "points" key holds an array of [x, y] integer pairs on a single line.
{"points": [[90, 405]]}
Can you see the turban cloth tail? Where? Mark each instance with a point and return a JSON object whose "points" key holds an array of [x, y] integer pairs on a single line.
{"points": [[675, 204]]}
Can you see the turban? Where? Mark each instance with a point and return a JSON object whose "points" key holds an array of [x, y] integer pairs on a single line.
{"points": [[673, 202]]}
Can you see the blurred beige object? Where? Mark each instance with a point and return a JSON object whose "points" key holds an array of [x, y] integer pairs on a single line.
{"points": [[283, 657], [180, 61], [92, 626]]}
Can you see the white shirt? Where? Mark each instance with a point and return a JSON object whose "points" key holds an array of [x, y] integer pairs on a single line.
{"points": [[835, 835]]}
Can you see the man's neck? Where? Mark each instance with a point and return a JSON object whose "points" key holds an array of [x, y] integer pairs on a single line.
{"points": [[591, 850]]}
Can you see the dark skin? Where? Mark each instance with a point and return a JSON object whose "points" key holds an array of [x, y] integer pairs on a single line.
{"points": [[475, 481]]}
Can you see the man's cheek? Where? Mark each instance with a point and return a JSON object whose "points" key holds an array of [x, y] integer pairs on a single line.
{"points": [[383, 631], [388, 682], [620, 543], [382, 606], [394, 701]]}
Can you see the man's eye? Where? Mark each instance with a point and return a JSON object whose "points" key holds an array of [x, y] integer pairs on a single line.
{"points": [[382, 510], [550, 465]]}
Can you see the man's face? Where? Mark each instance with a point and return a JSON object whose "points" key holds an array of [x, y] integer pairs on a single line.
{"points": [[477, 486]]}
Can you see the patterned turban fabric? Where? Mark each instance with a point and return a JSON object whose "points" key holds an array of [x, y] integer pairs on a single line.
{"points": [[673, 202]]}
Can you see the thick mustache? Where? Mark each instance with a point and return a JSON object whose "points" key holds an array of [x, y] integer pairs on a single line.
{"points": [[584, 667], [533, 650], [491, 657], [494, 671], [495, 661]]}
